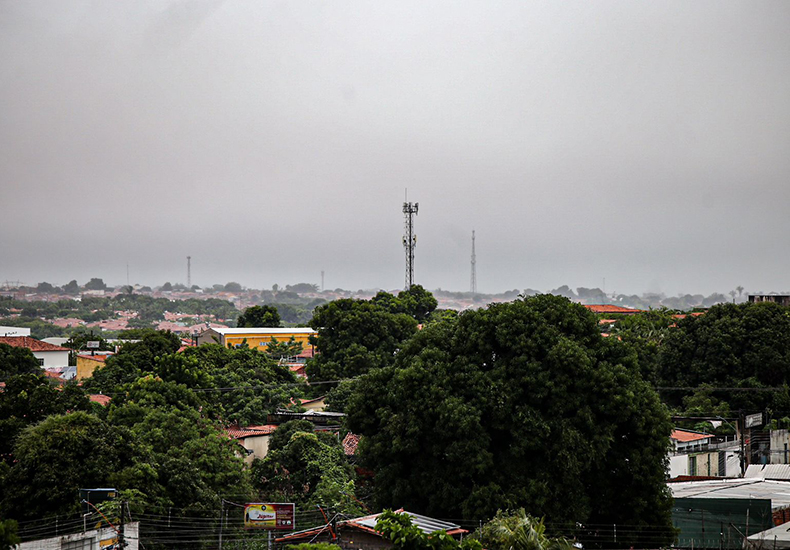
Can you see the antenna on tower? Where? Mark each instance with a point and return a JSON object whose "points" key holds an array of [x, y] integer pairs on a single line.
{"points": [[409, 240], [473, 281], [189, 271]]}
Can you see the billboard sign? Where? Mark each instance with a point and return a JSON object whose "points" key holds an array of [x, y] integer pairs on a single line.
{"points": [[93, 344], [273, 515], [754, 420]]}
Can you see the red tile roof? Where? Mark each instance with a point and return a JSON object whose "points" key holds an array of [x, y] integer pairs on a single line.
{"points": [[350, 444], [235, 432], [609, 308], [685, 436], [29, 343], [102, 400], [101, 358]]}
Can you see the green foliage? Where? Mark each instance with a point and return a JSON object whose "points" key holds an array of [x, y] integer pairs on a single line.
{"points": [[404, 535], [355, 336], [95, 284], [27, 399], [259, 316], [307, 468], [15, 361], [338, 396], [529, 383], [261, 386], [417, 302], [519, 531], [731, 345], [8, 536], [56, 457], [277, 350]]}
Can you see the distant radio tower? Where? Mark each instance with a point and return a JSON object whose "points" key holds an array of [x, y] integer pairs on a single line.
{"points": [[473, 281], [189, 271], [409, 240], [322, 280]]}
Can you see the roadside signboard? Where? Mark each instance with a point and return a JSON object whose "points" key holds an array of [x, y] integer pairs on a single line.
{"points": [[754, 420], [92, 344], [271, 515]]}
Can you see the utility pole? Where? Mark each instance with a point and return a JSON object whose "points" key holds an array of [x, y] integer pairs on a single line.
{"points": [[121, 533], [473, 282], [409, 240]]}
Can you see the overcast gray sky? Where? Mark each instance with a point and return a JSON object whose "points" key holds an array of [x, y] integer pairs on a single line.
{"points": [[647, 143]]}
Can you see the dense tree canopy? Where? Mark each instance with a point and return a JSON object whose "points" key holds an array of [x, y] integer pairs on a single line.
{"points": [[355, 336], [27, 399], [519, 404], [14, 360], [306, 467], [731, 345], [259, 316]]}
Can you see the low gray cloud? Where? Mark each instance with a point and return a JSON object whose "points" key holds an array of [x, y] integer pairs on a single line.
{"points": [[641, 142]]}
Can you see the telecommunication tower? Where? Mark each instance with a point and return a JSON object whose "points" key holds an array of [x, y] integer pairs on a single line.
{"points": [[473, 281], [409, 240], [322, 280], [189, 271]]}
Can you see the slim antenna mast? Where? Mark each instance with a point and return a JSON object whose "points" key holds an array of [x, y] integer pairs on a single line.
{"points": [[473, 282], [189, 271], [409, 240]]}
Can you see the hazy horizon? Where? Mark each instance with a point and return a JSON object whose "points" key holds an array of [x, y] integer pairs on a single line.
{"points": [[643, 143]]}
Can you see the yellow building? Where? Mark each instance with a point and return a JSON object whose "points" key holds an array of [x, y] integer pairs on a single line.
{"points": [[86, 364], [257, 338]]}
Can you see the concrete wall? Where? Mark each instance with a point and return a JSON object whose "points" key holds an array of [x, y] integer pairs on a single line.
{"points": [[53, 358], [780, 447], [258, 444], [90, 539], [14, 331]]}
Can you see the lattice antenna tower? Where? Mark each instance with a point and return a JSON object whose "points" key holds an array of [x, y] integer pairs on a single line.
{"points": [[409, 240], [473, 279], [189, 272]]}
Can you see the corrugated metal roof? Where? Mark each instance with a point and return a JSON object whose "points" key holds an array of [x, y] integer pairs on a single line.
{"points": [[424, 523], [777, 491], [768, 471]]}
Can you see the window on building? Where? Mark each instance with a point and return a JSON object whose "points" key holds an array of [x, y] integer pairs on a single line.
{"points": [[40, 362]]}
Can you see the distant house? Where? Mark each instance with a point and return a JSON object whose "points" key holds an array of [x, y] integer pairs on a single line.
{"points": [[317, 404], [86, 364], [48, 355], [361, 532], [688, 440], [610, 309], [14, 331], [781, 299], [255, 439], [257, 338]]}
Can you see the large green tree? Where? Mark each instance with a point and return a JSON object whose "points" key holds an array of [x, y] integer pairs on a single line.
{"points": [[57, 457], [518, 404], [306, 467], [14, 360], [27, 399], [355, 336], [730, 346], [259, 316]]}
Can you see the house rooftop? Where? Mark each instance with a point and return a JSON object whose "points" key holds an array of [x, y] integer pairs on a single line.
{"points": [[748, 488], [29, 343], [610, 308], [261, 330], [685, 436], [236, 432]]}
